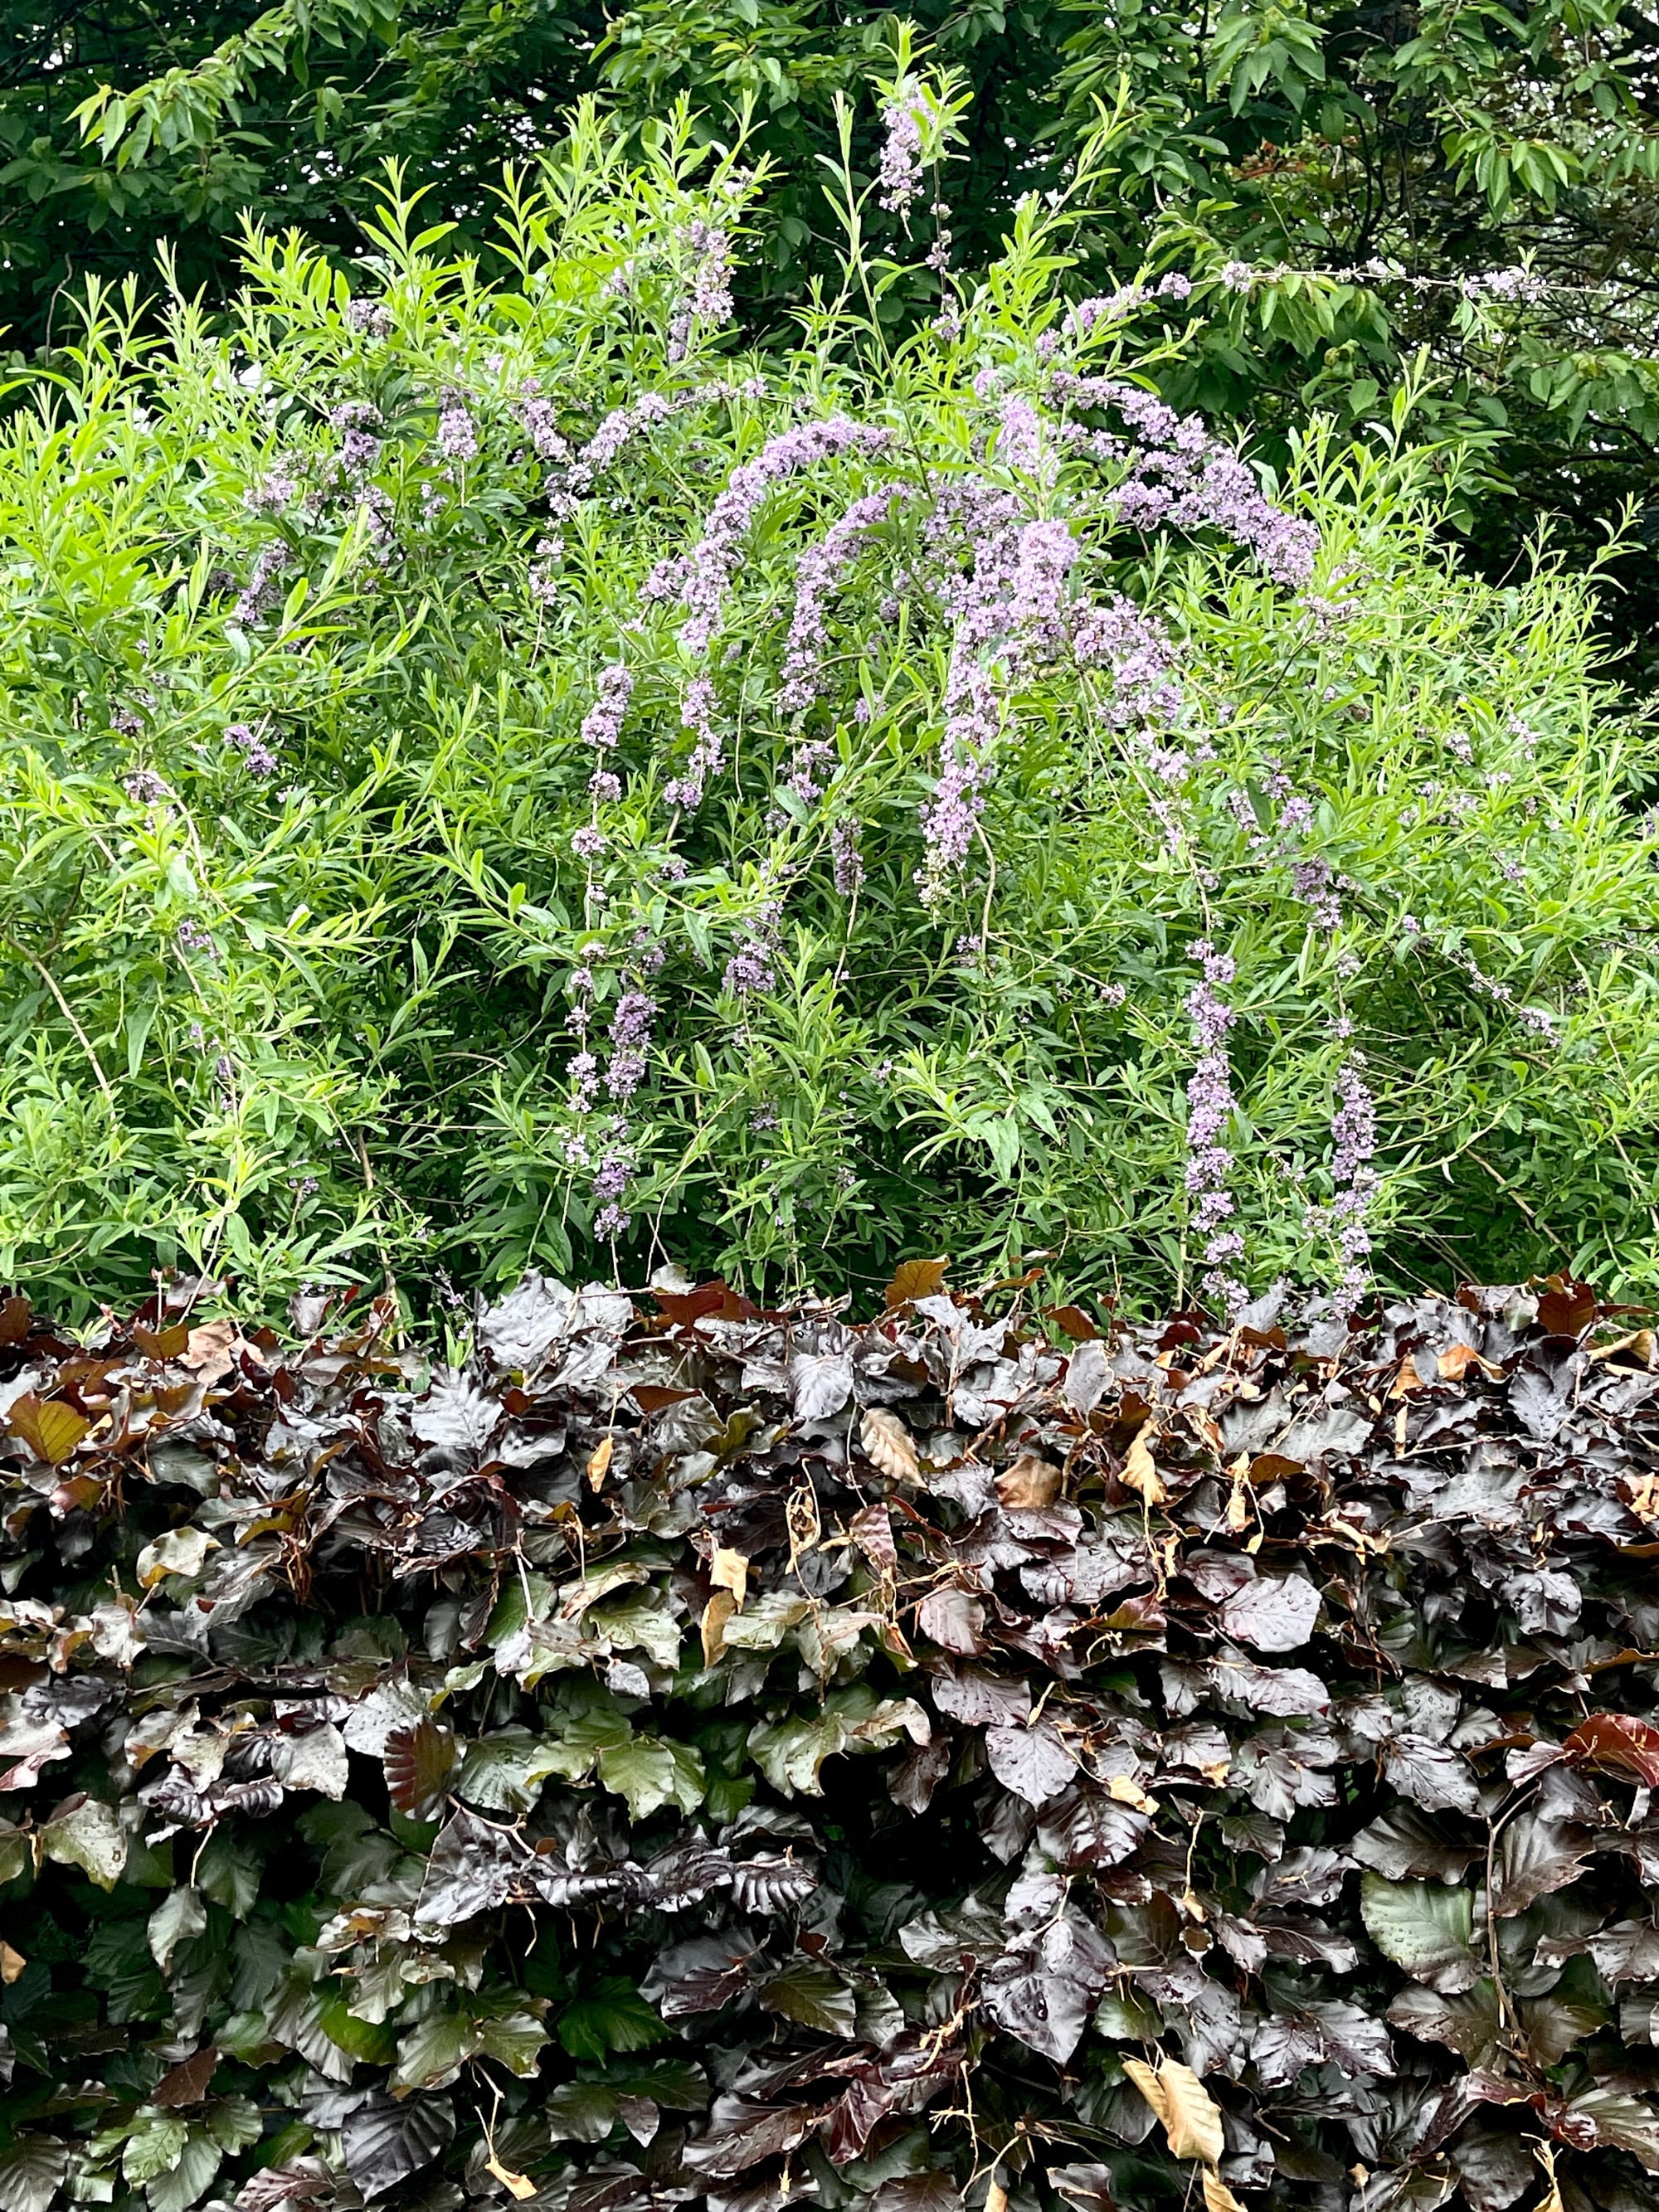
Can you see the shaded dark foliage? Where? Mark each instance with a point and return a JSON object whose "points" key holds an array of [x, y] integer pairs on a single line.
{"points": [[689, 1753]]}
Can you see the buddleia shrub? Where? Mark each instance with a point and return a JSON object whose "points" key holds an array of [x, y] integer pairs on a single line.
{"points": [[496, 776], [685, 1754]]}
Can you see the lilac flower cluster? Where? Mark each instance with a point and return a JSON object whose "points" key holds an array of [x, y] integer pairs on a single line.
{"points": [[1020, 441], [544, 576], [456, 435], [630, 1041], [257, 757], [1011, 611], [697, 711], [1507, 284], [846, 859], [709, 302], [625, 1071], [1088, 315], [272, 493], [1140, 655], [899, 178], [701, 579], [950, 819], [751, 970], [359, 449], [1003, 606], [810, 757], [263, 589], [603, 723], [1354, 1138], [1210, 1108], [938, 256], [623, 424], [1044, 556], [1312, 881], [816, 574], [540, 421], [371, 317], [610, 1178], [1179, 475]]}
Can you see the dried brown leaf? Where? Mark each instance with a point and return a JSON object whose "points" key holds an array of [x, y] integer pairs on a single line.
{"points": [[1028, 1484], [51, 1429], [1140, 1471], [887, 1446], [715, 1614], [1191, 2117], [729, 1571], [913, 1280]]}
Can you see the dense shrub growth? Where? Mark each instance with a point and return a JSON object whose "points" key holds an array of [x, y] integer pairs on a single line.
{"points": [[686, 1750], [490, 773], [1352, 185]]}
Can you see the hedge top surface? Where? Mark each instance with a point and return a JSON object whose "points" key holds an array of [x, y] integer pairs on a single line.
{"points": [[688, 1752]]}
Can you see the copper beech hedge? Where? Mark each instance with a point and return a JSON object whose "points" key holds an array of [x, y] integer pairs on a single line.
{"points": [[687, 1753]]}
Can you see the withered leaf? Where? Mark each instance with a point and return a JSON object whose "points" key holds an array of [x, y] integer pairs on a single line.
{"points": [[1190, 2116], [720, 1609], [886, 1443], [51, 1429], [1028, 1482], [1139, 1471], [913, 1280]]}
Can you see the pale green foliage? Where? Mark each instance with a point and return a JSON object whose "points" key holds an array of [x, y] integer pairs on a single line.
{"points": [[314, 1025]]}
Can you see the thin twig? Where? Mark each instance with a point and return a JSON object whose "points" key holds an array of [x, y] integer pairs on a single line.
{"points": [[68, 1012]]}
